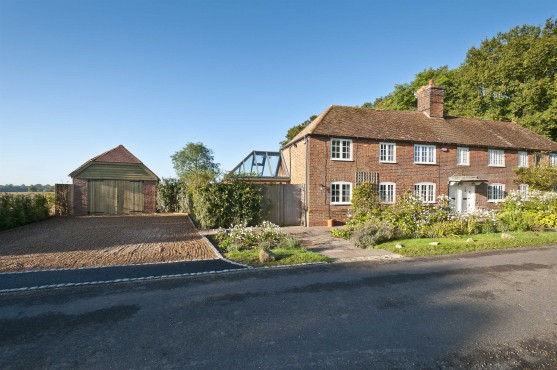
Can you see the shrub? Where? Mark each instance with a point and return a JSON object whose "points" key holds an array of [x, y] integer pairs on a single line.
{"points": [[528, 211], [230, 203], [21, 209], [365, 200], [373, 233], [488, 226], [172, 196], [343, 233]]}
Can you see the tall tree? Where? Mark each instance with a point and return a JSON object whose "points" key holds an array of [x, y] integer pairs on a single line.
{"points": [[195, 164], [512, 77], [295, 130]]}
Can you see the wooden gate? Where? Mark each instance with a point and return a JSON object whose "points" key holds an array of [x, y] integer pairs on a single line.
{"points": [[115, 197], [286, 204]]}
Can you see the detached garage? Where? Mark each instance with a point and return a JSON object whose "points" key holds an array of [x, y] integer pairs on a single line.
{"points": [[113, 183]]}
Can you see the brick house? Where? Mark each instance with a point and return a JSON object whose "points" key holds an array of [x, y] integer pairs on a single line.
{"points": [[470, 160], [114, 182]]}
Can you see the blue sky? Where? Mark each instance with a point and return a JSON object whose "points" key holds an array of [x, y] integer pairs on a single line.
{"points": [[80, 77]]}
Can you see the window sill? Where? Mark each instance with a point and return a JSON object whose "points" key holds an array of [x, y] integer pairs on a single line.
{"points": [[341, 204], [432, 163], [496, 166], [388, 162], [495, 200], [342, 160], [463, 165]]}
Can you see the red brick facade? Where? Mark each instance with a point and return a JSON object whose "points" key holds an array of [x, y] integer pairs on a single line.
{"points": [[404, 173], [308, 155]]}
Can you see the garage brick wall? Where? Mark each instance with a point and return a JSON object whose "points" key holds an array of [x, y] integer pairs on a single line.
{"points": [[149, 195], [80, 204]]}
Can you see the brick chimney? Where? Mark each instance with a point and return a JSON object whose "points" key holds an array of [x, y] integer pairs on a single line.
{"points": [[431, 100]]}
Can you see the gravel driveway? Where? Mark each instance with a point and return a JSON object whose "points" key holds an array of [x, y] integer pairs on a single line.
{"points": [[69, 242]]}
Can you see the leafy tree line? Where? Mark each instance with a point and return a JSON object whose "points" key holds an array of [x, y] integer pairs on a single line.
{"points": [[11, 188], [508, 77]]}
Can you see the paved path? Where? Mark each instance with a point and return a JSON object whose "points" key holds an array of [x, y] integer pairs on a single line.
{"points": [[14, 281], [319, 239]]}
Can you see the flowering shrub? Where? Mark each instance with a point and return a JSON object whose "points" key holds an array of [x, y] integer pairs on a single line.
{"points": [[266, 234], [528, 211], [408, 217]]}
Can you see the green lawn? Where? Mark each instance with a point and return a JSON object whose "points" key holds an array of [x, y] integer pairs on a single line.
{"points": [[284, 257], [421, 247]]}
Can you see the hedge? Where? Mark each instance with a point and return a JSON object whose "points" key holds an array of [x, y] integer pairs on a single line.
{"points": [[21, 209]]}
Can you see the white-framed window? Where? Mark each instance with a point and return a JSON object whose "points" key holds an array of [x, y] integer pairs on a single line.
{"points": [[553, 159], [523, 188], [424, 154], [341, 149], [495, 192], [426, 191], [522, 159], [462, 156], [387, 152], [341, 192], [387, 192], [496, 158]]}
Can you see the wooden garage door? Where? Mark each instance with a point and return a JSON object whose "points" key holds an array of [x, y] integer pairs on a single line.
{"points": [[115, 197]]}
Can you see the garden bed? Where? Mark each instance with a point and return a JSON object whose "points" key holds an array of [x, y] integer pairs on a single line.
{"points": [[243, 245]]}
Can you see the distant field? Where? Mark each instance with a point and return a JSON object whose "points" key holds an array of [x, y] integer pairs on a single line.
{"points": [[27, 192]]}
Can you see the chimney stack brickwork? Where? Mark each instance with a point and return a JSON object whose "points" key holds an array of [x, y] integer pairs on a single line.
{"points": [[431, 100]]}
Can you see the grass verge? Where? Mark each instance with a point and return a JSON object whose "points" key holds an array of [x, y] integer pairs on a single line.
{"points": [[284, 257], [421, 247], [290, 256]]}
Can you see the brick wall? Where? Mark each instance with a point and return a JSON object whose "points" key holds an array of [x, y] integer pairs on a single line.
{"points": [[80, 200], [295, 159], [404, 173], [149, 196]]}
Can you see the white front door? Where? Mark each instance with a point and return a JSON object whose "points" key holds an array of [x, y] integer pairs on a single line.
{"points": [[462, 198]]}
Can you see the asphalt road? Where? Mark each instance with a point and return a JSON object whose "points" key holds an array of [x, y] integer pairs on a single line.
{"points": [[99, 275], [487, 310]]}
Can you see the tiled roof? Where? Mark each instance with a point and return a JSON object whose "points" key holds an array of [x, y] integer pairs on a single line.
{"points": [[116, 155], [417, 127]]}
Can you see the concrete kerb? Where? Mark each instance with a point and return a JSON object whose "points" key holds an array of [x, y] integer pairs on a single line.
{"points": [[216, 251]]}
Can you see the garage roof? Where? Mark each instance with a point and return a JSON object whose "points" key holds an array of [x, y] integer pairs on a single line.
{"points": [[116, 163]]}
